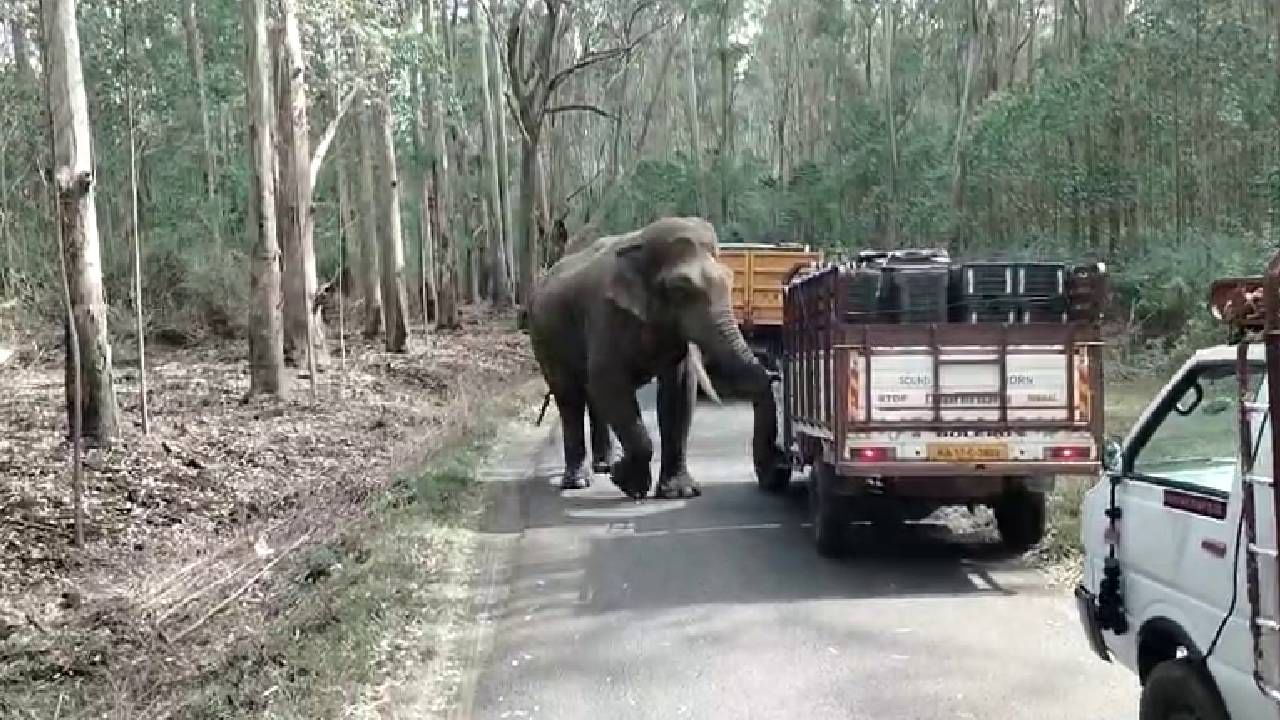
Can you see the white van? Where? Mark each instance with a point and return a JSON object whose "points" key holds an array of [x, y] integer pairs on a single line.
{"points": [[1176, 581]]}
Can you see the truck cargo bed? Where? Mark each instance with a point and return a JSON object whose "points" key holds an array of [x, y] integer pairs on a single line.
{"points": [[932, 399]]}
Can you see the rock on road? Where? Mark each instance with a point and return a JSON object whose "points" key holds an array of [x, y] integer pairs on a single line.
{"points": [[719, 607]]}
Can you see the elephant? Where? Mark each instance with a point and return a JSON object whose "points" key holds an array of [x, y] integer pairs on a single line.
{"points": [[619, 311]]}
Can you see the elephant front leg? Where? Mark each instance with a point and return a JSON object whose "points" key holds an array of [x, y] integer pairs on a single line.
{"points": [[601, 443], [677, 394], [572, 411], [616, 403]]}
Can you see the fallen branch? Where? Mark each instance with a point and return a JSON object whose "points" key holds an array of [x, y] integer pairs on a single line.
{"points": [[242, 589], [171, 582], [202, 590], [30, 525]]}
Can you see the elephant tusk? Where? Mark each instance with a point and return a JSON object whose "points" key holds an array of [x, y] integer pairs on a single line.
{"points": [[543, 412], [700, 373]]}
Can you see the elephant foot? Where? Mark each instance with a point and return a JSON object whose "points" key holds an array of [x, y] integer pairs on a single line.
{"points": [[601, 467], [632, 478], [575, 480], [680, 485]]}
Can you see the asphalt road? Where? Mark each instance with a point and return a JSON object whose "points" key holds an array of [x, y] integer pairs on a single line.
{"points": [[719, 607]]}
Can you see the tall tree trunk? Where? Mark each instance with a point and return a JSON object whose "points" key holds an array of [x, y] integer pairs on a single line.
{"points": [[11, 271], [429, 289], [449, 247], [266, 344], [542, 210], [529, 256], [350, 219], [499, 86], [135, 228], [295, 223], [78, 226], [195, 54], [691, 110], [21, 50], [726, 113], [499, 290], [972, 50], [369, 260], [892, 124], [395, 304]]}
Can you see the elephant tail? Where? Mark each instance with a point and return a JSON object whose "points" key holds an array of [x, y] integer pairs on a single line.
{"points": [[693, 363]]}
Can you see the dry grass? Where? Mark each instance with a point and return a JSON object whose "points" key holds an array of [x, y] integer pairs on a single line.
{"points": [[196, 595], [1060, 551]]}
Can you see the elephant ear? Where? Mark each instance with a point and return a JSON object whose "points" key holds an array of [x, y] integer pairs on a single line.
{"points": [[626, 287]]}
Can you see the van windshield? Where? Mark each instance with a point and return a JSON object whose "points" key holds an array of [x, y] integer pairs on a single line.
{"points": [[1193, 439]]}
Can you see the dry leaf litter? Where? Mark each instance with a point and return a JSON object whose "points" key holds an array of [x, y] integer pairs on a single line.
{"points": [[183, 524]]}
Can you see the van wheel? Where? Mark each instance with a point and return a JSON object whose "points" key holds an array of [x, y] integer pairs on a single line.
{"points": [[1180, 690], [829, 516], [1020, 517]]}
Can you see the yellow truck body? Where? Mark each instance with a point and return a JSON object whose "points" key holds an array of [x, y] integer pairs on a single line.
{"points": [[758, 274]]}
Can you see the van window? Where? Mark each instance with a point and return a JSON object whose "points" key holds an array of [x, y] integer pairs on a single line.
{"points": [[1193, 439]]}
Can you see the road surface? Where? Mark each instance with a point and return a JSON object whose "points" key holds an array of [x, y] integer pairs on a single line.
{"points": [[719, 607]]}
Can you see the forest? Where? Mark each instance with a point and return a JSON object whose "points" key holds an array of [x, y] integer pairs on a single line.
{"points": [[339, 205]]}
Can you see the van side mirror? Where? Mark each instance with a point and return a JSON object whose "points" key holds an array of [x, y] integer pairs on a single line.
{"points": [[1112, 451]]}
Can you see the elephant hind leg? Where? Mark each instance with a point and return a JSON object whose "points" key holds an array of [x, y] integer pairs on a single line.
{"points": [[601, 442], [572, 407], [677, 394]]}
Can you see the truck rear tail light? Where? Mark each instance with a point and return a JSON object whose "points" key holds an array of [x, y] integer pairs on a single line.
{"points": [[1069, 453], [871, 454]]}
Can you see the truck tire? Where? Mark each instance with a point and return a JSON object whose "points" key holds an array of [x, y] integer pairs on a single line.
{"points": [[1180, 690], [1020, 517], [776, 479], [829, 516], [773, 480]]}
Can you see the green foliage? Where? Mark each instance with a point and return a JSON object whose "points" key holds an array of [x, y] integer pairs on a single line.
{"points": [[1147, 143], [1147, 139]]}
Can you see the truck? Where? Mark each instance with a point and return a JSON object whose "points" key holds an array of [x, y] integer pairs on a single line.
{"points": [[760, 271], [897, 411], [1180, 580]]}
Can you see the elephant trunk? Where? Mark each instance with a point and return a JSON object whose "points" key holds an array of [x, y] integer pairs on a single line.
{"points": [[721, 340]]}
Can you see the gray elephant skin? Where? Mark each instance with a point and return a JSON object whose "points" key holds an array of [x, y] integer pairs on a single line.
{"points": [[618, 311]]}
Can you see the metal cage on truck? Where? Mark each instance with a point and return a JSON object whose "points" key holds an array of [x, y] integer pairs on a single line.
{"points": [[911, 416], [829, 373]]}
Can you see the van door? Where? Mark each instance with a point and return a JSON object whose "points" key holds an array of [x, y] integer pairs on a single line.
{"points": [[1179, 524], [1232, 662]]}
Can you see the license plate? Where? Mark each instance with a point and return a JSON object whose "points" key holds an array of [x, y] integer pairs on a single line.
{"points": [[961, 452]]}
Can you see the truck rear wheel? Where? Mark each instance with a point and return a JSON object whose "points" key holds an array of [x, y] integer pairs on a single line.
{"points": [[829, 516], [776, 478], [1020, 517], [1180, 690]]}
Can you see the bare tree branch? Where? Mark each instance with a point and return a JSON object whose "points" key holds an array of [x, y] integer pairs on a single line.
{"points": [[596, 57], [580, 106], [662, 79]]}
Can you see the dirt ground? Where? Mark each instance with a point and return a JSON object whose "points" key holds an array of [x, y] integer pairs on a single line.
{"points": [[186, 525]]}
